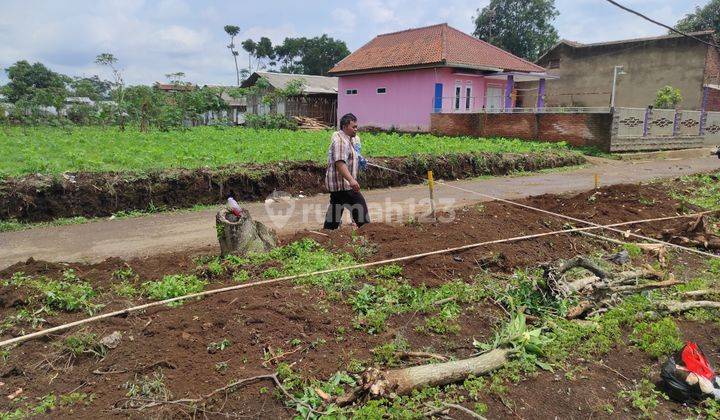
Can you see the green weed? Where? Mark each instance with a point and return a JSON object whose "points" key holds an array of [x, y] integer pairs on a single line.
{"points": [[658, 338], [644, 397], [79, 344], [173, 286]]}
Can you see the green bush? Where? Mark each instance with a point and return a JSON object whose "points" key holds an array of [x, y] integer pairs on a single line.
{"points": [[272, 121], [667, 97]]}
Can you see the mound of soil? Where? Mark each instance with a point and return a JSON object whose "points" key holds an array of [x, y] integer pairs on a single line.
{"points": [[37, 198], [272, 319]]}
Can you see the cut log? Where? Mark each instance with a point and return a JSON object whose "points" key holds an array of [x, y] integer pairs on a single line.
{"points": [[241, 235], [404, 381]]}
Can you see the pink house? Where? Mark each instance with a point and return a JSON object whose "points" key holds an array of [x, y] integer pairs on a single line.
{"points": [[398, 79]]}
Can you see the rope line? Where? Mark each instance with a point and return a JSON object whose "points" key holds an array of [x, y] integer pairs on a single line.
{"points": [[67, 326], [574, 219]]}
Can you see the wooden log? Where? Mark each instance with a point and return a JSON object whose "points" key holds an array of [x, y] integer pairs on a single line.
{"points": [[674, 307], [241, 235], [404, 381]]}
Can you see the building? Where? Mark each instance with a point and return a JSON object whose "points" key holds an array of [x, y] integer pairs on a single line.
{"points": [[318, 98], [585, 72], [398, 79]]}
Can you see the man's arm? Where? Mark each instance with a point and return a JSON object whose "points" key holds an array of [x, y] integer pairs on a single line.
{"points": [[341, 167]]}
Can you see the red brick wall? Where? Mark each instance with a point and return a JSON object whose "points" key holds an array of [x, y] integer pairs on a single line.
{"points": [[712, 67], [576, 129], [521, 126], [713, 100], [455, 124]]}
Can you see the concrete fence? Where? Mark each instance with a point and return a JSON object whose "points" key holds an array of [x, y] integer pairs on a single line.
{"points": [[621, 129]]}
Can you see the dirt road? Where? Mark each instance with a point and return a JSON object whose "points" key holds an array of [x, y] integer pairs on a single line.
{"points": [[170, 232]]}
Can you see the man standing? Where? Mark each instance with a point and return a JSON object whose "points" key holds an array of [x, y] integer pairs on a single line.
{"points": [[341, 176]]}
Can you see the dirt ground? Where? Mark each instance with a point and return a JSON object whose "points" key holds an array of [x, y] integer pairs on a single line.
{"points": [[174, 340]]}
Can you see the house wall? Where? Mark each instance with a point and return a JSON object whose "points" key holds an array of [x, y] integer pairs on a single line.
{"points": [[409, 98], [585, 74]]}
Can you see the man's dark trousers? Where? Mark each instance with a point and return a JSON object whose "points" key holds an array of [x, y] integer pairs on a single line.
{"points": [[341, 200]]}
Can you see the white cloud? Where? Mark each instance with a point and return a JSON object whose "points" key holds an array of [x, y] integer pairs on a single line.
{"points": [[343, 22]]}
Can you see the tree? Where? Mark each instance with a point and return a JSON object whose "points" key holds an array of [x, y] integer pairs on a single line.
{"points": [[262, 51], [522, 27], [109, 60], [35, 82], [91, 87], [667, 98], [707, 17], [310, 55], [233, 30]]}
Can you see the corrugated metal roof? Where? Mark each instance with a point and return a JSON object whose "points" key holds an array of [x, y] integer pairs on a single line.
{"points": [[311, 84]]}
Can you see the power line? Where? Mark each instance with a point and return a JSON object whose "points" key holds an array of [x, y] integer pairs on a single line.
{"points": [[670, 28]]}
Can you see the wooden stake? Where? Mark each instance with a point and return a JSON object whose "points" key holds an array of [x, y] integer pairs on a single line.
{"points": [[431, 185], [597, 181]]}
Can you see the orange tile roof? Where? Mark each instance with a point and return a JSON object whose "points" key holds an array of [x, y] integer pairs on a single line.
{"points": [[437, 45]]}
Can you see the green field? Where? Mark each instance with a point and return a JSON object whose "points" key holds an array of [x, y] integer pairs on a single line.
{"points": [[49, 150]]}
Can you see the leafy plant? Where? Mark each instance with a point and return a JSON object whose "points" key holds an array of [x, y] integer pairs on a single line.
{"points": [[80, 344], [667, 97], [219, 346], [173, 286]]}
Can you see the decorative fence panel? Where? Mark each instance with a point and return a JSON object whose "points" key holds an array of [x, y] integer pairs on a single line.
{"points": [[661, 123], [689, 123], [630, 122], [712, 123]]}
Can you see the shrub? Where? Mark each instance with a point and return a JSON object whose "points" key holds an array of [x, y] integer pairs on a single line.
{"points": [[667, 97], [270, 121]]}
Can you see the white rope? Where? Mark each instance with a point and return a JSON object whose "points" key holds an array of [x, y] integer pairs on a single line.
{"points": [[67, 326], [574, 219]]}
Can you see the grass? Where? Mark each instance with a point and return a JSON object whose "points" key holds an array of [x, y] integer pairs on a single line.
{"points": [[50, 150], [173, 286]]}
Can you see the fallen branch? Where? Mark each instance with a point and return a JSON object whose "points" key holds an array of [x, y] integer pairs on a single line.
{"points": [[655, 285], [445, 406], [703, 292], [674, 307]]}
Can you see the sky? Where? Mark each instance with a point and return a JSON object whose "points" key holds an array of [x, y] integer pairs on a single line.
{"points": [[152, 38]]}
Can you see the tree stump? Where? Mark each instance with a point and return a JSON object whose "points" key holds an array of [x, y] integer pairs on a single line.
{"points": [[241, 235]]}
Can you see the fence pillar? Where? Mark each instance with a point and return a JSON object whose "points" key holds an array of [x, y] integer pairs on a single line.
{"points": [[648, 112], [508, 91], [541, 94], [703, 113], [676, 122]]}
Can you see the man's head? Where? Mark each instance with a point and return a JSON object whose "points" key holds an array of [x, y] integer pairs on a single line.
{"points": [[348, 124]]}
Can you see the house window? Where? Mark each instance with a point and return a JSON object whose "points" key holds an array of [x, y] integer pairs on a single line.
{"points": [[381, 91], [351, 92], [458, 91], [554, 63], [468, 96]]}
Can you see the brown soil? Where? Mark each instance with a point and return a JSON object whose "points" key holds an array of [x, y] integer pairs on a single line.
{"points": [[175, 340], [37, 198]]}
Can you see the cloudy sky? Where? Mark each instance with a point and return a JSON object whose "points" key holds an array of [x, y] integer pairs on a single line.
{"points": [[154, 37]]}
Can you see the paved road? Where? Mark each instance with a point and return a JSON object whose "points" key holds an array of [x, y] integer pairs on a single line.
{"points": [[170, 232]]}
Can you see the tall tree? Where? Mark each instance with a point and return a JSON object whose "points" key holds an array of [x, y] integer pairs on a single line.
{"points": [[233, 30], [35, 82], [522, 27], [310, 55], [706, 17]]}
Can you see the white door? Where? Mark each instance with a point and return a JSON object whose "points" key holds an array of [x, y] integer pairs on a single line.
{"points": [[494, 98]]}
